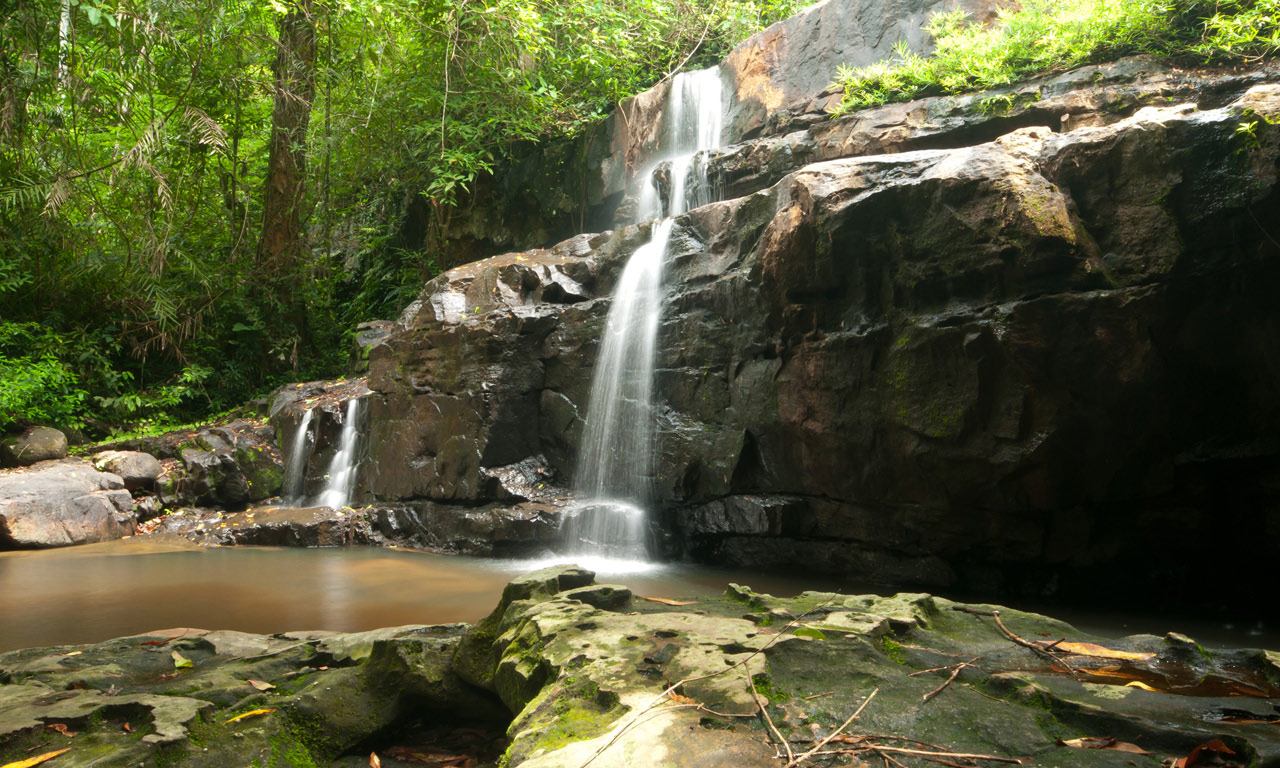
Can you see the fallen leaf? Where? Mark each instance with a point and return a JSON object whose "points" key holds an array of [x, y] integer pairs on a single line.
{"points": [[61, 728], [1142, 685], [1103, 742], [1212, 745], [374, 762], [250, 713], [666, 601], [128, 728], [1098, 651], [181, 662], [73, 653], [162, 642], [261, 685], [38, 759], [677, 698]]}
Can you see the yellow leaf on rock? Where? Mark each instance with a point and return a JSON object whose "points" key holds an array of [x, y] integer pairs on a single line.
{"points": [[181, 662], [1142, 685], [1092, 649], [250, 713], [38, 759]]}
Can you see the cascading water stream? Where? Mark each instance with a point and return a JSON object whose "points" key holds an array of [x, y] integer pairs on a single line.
{"points": [[616, 461], [295, 472], [341, 480]]}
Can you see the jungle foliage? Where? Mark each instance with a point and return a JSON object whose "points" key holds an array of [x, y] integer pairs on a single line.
{"points": [[134, 149], [1038, 36]]}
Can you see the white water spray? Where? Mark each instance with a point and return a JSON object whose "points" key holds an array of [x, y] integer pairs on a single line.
{"points": [[616, 461], [343, 466], [295, 472]]}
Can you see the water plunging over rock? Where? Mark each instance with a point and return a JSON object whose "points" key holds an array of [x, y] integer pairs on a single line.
{"points": [[694, 124], [616, 461], [615, 468], [341, 480], [295, 474]]}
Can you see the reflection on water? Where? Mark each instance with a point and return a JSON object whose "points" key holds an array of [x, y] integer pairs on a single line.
{"points": [[92, 593], [99, 591]]}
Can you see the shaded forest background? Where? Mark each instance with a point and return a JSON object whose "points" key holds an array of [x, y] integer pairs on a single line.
{"points": [[200, 199]]}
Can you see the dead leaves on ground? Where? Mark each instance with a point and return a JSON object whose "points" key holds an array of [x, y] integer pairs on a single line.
{"points": [[1211, 750]]}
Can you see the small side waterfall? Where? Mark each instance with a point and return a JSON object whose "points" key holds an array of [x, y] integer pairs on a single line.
{"points": [[294, 490], [341, 480], [616, 460]]}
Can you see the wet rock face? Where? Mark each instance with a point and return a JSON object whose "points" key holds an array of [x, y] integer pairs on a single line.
{"points": [[327, 401], [1005, 360]]}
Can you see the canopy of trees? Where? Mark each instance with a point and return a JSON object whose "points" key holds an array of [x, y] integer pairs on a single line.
{"points": [[198, 197]]}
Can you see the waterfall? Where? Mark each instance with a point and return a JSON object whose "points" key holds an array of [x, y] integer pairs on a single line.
{"points": [[295, 472], [693, 122], [341, 480], [616, 461]]}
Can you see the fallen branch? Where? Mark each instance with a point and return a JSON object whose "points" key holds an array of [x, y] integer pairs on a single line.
{"points": [[833, 734], [954, 673], [928, 754], [764, 710], [1037, 649]]}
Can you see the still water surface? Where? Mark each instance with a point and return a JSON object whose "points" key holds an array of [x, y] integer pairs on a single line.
{"points": [[96, 592], [99, 591]]}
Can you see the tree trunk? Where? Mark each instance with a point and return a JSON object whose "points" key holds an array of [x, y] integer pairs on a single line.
{"points": [[295, 88]]}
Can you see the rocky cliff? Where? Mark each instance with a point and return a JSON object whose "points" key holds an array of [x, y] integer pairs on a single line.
{"points": [[548, 192], [1020, 339]]}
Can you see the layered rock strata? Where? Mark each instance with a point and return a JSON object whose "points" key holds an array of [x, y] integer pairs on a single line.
{"points": [[1009, 362]]}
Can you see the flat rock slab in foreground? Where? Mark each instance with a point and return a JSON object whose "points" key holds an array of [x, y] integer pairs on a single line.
{"points": [[583, 673]]}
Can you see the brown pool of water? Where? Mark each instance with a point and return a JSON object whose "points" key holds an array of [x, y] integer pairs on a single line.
{"points": [[96, 592], [92, 593]]}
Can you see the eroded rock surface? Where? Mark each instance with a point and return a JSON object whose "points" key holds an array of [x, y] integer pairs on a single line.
{"points": [[578, 672]]}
